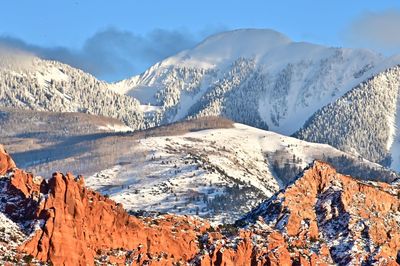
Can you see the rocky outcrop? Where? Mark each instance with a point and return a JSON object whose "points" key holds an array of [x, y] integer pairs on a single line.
{"points": [[80, 224], [6, 163], [327, 218], [322, 218]]}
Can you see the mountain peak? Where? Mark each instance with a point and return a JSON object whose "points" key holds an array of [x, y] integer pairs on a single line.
{"points": [[280, 83], [234, 37], [248, 43]]}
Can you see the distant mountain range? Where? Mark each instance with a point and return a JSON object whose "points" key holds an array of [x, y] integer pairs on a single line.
{"points": [[344, 97]]}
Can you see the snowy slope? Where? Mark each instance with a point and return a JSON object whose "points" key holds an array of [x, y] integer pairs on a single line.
{"points": [[216, 173], [27, 82], [11, 236], [256, 77], [364, 120]]}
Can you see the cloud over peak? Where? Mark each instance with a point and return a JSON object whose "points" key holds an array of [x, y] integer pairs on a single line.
{"points": [[114, 54], [376, 30]]}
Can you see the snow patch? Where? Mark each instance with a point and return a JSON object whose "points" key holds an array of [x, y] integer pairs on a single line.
{"points": [[115, 128]]}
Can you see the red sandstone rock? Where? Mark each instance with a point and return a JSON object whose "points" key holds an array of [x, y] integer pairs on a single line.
{"points": [[79, 222], [6, 163], [304, 207]]}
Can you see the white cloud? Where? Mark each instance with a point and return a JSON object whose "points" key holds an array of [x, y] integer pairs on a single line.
{"points": [[376, 30], [114, 54]]}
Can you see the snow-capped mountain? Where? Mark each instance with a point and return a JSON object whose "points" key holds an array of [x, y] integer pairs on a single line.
{"points": [[263, 79], [27, 82], [344, 97], [256, 77]]}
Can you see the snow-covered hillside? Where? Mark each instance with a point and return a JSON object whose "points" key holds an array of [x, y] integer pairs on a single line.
{"points": [[11, 236], [216, 173], [27, 82], [210, 167], [363, 120], [256, 77]]}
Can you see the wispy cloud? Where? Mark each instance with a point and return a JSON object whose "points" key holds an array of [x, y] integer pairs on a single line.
{"points": [[376, 30], [114, 54]]}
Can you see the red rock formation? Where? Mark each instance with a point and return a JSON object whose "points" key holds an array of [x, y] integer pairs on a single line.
{"points": [[80, 223], [323, 218], [6, 163]]}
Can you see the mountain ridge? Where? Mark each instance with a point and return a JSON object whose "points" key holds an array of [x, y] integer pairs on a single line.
{"points": [[31, 83], [274, 95], [262, 79], [193, 77]]}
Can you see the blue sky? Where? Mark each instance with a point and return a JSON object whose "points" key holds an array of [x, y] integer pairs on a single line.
{"points": [[116, 39]]}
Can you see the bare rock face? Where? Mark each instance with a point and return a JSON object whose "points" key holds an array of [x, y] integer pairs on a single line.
{"points": [[327, 218], [323, 218], [6, 163]]}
